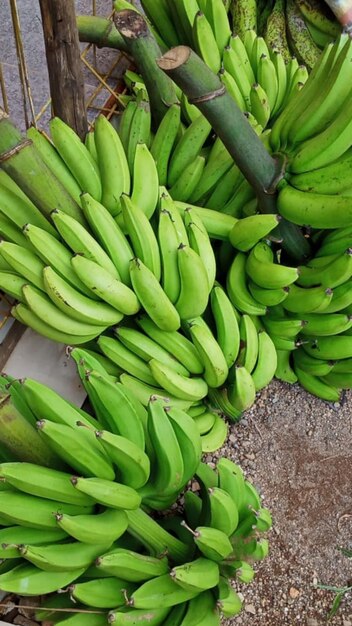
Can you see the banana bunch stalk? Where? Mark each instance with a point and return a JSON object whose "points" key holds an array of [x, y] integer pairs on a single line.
{"points": [[80, 529]]}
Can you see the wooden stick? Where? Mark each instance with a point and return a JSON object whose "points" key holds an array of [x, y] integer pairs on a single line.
{"points": [[64, 63]]}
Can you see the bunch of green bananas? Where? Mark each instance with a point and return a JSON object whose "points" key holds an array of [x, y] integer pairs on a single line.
{"points": [[75, 521], [260, 75]]}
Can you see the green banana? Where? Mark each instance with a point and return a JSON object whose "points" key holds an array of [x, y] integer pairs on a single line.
{"points": [[23, 262], [249, 343], [316, 386], [200, 242], [214, 360], [144, 242], [133, 465], [131, 566], [266, 365], [110, 235], [145, 169], [78, 451], [108, 493], [188, 148], [164, 141], [81, 241], [160, 592], [76, 305], [236, 286], [42, 482], [241, 393], [76, 156], [13, 536], [264, 272], [27, 580], [227, 328], [63, 557], [101, 282], [103, 528], [194, 290], [34, 512], [229, 602], [173, 342], [152, 297], [55, 254], [200, 574], [179, 386], [113, 166]]}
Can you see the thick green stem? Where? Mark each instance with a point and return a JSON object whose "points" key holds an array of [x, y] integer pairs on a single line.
{"points": [[22, 162], [155, 538], [204, 89], [100, 31], [142, 45]]}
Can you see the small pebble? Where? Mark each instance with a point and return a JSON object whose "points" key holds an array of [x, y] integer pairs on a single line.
{"points": [[249, 608], [312, 622], [294, 593]]}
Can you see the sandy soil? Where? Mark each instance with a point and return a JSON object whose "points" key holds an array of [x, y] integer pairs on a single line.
{"points": [[298, 451]]}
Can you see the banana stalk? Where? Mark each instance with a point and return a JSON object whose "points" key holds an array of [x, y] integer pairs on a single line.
{"points": [[154, 537], [144, 48], [204, 89], [100, 31], [22, 162]]}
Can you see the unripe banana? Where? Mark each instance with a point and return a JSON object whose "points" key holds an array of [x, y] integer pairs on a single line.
{"points": [[113, 166], [242, 392], [215, 365], [144, 242], [192, 389], [145, 191], [194, 290]]}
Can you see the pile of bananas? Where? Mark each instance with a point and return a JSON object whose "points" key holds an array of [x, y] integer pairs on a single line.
{"points": [[291, 27], [71, 517], [259, 73]]}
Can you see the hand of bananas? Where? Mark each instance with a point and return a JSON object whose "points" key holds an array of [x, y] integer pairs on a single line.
{"points": [[71, 516]]}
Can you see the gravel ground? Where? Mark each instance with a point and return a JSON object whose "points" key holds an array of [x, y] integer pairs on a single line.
{"points": [[296, 449]]}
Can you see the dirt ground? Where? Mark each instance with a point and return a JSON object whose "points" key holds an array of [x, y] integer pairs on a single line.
{"points": [[297, 450]]}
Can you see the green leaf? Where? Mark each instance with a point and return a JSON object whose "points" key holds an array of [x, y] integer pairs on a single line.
{"points": [[336, 604]]}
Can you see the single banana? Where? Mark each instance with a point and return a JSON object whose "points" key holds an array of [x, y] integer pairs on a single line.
{"points": [[309, 364], [12, 284], [238, 71], [200, 242], [108, 493], [247, 232], [126, 359], [145, 190], [164, 141], [264, 272], [316, 386], [152, 297], [330, 348], [104, 593], [227, 328], [76, 156], [133, 465], [142, 236], [189, 441], [131, 566], [188, 180], [160, 592], [63, 558], [201, 574], [103, 528], [307, 300], [248, 354], [27, 580], [216, 436], [113, 166], [106, 286], [194, 290], [147, 349], [266, 365], [144, 392], [218, 225], [139, 130], [228, 602], [19, 209], [241, 393], [42, 482], [268, 297], [205, 42], [214, 360], [110, 235], [34, 512], [237, 289], [13, 536], [233, 89]]}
